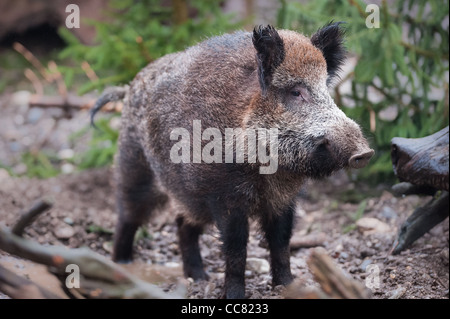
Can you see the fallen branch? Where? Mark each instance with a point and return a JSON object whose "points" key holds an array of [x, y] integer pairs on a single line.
{"points": [[334, 283], [405, 188], [29, 216], [98, 277], [422, 166], [308, 241], [422, 161], [21, 288], [422, 220]]}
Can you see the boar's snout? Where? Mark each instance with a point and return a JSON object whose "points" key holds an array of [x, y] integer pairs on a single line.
{"points": [[361, 158]]}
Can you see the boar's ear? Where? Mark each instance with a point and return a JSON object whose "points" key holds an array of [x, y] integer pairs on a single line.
{"points": [[330, 40], [270, 53]]}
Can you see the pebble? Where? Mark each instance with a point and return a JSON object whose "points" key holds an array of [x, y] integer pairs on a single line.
{"points": [[15, 146], [369, 225], [107, 246], [388, 212], [258, 265], [64, 232], [67, 168], [66, 153], [21, 99], [364, 264], [68, 220], [172, 264], [398, 293], [343, 255], [34, 115]]}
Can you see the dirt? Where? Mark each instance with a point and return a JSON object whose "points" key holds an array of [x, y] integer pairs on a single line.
{"points": [[84, 215]]}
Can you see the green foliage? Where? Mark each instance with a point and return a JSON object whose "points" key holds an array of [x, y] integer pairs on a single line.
{"points": [[138, 33], [404, 62], [39, 165], [355, 217], [102, 146], [93, 228]]}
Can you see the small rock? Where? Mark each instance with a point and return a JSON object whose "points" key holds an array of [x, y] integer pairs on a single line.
{"points": [[367, 252], [66, 153], [67, 168], [21, 100], [444, 256], [15, 146], [107, 246], [258, 265], [307, 241], [64, 232], [34, 115], [388, 212], [397, 293], [369, 225], [68, 220], [364, 264], [172, 264]]}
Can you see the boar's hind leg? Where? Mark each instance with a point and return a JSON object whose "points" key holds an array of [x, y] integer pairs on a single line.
{"points": [[190, 251], [234, 230], [136, 195], [278, 231]]}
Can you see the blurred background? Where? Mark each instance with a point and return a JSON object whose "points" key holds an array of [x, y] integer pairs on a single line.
{"points": [[395, 81]]}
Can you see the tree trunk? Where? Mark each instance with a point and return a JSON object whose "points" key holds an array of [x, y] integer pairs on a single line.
{"points": [[422, 161], [422, 166]]}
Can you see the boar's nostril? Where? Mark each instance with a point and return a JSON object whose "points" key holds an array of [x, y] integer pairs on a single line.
{"points": [[361, 159]]}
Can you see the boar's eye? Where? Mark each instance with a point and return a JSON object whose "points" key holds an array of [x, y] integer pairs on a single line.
{"points": [[300, 92]]}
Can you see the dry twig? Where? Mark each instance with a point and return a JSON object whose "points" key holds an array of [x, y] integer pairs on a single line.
{"points": [[99, 277]]}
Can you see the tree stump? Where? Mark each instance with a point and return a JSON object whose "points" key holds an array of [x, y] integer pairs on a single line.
{"points": [[421, 164]]}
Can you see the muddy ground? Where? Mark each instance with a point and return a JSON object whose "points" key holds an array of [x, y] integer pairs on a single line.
{"points": [[84, 215]]}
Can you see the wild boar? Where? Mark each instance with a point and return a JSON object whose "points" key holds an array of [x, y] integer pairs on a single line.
{"points": [[269, 80]]}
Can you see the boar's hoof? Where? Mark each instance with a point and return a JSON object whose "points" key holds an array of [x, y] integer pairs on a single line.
{"points": [[196, 274], [361, 159]]}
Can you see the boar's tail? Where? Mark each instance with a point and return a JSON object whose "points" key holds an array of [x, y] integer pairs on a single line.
{"points": [[110, 94]]}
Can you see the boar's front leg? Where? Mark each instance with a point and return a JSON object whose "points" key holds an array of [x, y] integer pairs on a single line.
{"points": [[278, 231], [234, 230]]}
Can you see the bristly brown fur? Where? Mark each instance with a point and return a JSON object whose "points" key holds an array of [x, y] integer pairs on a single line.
{"points": [[241, 80]]}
